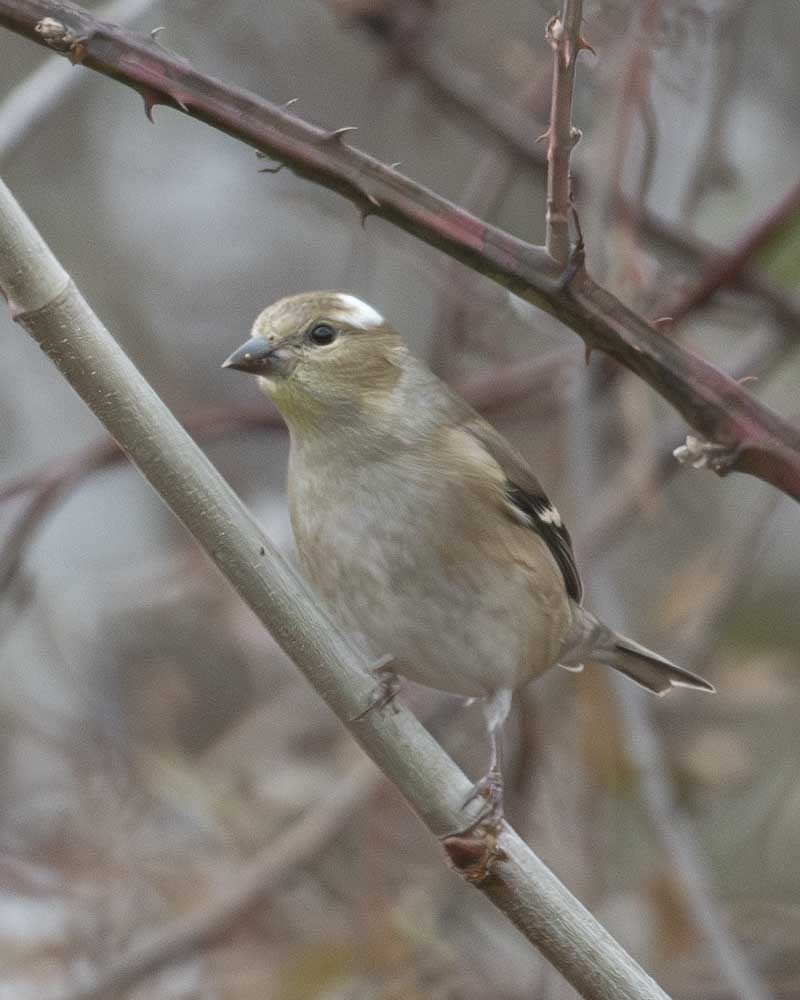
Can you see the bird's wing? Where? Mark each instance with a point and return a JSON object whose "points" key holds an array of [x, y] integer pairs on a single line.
{"points": [[526, 501]]}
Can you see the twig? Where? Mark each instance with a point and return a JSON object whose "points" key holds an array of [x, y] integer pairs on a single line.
{"points": [[724, 267], [47, 304], [564, 36], [673, 238], [745, 435], [278, 861], [47, 87]]}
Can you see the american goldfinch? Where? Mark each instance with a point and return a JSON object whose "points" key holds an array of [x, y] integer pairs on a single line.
{"points": [[424, 532]]}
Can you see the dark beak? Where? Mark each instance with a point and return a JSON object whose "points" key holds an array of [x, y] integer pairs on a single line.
{"points": [[257, 357]]}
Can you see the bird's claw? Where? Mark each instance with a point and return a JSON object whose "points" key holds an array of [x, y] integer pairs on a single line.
{"points": [[489, 788]]}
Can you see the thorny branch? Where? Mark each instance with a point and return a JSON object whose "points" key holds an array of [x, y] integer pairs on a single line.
{"points": [[515, 128], [749, 436], [564, 37]]}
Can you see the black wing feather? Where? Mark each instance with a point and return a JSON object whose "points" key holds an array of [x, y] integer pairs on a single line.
{"points": [[546, 521]]}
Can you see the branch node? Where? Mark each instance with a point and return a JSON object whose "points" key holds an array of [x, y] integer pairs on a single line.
{"points": [[473, 854], [701, 454], [554, 31], [55, 34]]}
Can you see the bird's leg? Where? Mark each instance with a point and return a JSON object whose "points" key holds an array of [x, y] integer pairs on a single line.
{"points": [[388, 684], [490, 786]]}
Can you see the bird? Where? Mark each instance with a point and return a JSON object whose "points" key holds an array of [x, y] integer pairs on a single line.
{"points": [[425, 534]]}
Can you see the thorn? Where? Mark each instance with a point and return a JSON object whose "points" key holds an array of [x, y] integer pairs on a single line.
{"points": [[664, 323], [543, 136], [395, 165], [335, 135], [290, 102], [365, 212], [151, 99], [745, 379], [275, 168], [587, 355], [156, 32], [180, 103], [584, 46]]}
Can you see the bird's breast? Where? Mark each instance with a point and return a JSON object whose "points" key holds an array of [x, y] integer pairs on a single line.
{"points": [[396, 558]]}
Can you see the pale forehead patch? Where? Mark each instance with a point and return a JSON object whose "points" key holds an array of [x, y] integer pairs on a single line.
{"points": [[357, 313]]}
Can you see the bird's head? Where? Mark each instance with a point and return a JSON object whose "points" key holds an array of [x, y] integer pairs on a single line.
{"points": [[320, 354]]}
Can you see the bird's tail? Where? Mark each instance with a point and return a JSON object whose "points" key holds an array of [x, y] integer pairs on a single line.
{"points": [[647, 668], [642, 665]]}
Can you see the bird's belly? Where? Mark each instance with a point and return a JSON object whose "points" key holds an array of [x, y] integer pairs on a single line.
{"points": [[468, 628]]}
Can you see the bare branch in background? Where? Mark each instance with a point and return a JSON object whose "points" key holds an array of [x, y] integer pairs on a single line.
{"points": [[47, 304], [641, 742], [45, 488], [741, 433], [724, 268], [564, 37], [271, 867], [405, 31]]}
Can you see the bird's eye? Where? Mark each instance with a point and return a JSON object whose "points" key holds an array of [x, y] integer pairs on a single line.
{"points": [[321, 334]]}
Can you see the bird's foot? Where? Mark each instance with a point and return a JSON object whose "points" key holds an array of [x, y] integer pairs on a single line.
{"points": [[489, 788], [386, 689]]}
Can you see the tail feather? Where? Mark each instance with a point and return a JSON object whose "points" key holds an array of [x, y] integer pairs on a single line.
{"points": [[647, 668]]}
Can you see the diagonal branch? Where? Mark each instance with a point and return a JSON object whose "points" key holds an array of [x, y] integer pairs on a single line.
{"points": [[744, 434]]}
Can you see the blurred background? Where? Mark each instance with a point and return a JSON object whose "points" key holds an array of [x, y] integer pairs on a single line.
{"points": [[159, 756]]}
